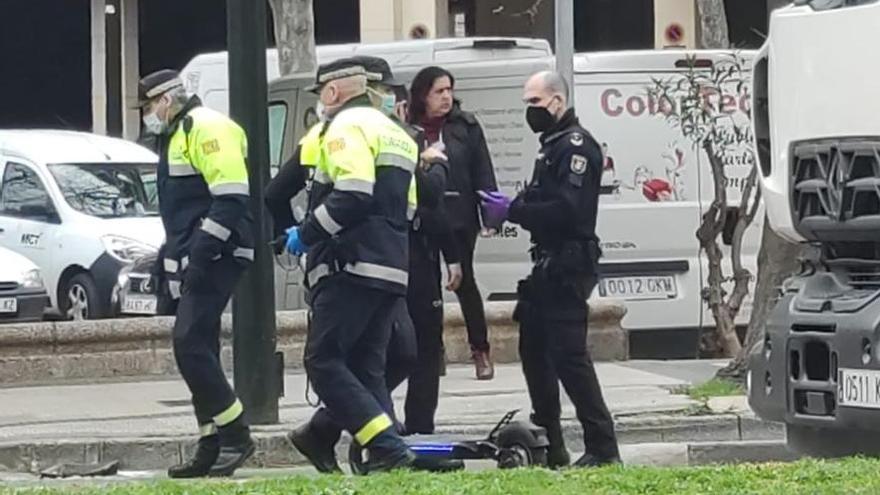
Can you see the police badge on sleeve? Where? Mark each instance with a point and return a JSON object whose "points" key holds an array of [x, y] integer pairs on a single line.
{"points": [[578, 164]]}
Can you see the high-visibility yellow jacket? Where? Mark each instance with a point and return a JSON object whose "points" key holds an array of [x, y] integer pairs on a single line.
{"points": [[362, 198], [203, 190]]}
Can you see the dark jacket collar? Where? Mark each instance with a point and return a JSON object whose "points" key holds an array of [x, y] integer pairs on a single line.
{"points": [[561, 127], [457, 114], [193, 102]]}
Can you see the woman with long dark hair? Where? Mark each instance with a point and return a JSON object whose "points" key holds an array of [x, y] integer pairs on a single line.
{"points": [[458, 134]]}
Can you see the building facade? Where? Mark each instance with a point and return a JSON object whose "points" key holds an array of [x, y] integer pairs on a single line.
{"points": [[75, 63]]}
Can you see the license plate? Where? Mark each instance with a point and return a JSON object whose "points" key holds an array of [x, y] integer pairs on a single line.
{"points": [[8, 305], [139, 305], [858, 388], [638, 288]]}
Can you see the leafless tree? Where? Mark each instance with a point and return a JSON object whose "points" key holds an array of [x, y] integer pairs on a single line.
{"points": [[692, 102], [713, 24], [295, 35]]}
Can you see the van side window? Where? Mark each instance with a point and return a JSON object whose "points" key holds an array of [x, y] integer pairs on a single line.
{"points": [[23, 195], [277, 123]]}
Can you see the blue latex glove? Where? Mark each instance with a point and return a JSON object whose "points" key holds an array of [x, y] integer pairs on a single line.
{"points": [[294, 244], [494, 208]]}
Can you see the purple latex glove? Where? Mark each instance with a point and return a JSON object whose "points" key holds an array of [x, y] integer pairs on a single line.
{"points": [[494, 208]]}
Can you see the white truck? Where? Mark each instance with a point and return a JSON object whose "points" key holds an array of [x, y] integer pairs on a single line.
{"points": [[817, 127]]}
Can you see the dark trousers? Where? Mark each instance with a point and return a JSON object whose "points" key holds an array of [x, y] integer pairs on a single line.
{"points": [[553, 347], [469, 294], [197, 340], [425, 302], [416, 345], [346, 350], [400, 361]]}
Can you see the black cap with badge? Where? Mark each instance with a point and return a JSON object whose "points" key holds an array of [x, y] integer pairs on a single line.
{"points": [[338, 69], [157, 83], [378, 70]]}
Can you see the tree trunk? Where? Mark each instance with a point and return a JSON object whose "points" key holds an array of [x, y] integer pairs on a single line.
{"points": [[295, 35], [778, 259], [724, 342], [713, 24]]}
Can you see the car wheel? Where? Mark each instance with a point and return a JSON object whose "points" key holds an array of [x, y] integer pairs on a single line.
{"points": [[81, 300]]}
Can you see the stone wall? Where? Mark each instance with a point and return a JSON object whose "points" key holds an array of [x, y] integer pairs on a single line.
{"points": [[64, 351]]}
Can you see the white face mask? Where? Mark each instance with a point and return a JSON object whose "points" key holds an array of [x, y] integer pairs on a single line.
{"points": [[154, 124], [320, 111]]}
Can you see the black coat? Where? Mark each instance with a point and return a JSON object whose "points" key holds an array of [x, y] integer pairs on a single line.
{"points": [[470, 168], [561, 202]]}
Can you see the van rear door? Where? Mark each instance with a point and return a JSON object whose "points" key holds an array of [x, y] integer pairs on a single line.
{"points": [[650, 206]]}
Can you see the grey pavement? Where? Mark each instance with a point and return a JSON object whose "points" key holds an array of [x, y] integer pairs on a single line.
{"points": [[151, 408]]}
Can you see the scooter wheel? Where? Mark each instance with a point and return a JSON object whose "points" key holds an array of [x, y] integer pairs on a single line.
{"points": [[514, 456], [520, 446]]}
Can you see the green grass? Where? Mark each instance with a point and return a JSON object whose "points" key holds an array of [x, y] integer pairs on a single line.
{"points": [[805, 477], [715, 387]]}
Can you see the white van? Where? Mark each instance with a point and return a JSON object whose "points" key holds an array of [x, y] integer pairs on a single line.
{"points": [[656, 185], [207, 76], [81, 207]]}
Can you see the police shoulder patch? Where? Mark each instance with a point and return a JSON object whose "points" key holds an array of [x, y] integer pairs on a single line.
{"points": [[577, 139], [211, 146], [578, 164], [336, 145]]}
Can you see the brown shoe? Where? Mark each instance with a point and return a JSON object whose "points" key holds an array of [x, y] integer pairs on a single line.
{"points": [[484, 366]]}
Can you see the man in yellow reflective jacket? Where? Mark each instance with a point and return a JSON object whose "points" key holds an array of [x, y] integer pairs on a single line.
{"points": [[356, 270], [203, 200]]}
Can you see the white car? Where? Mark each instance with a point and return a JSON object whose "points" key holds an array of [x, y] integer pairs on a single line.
{"points": [[82, 207], [22, 294]]}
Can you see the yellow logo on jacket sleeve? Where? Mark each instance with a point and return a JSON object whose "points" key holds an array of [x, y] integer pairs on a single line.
{"points": [[211, 146], [336, 145]]}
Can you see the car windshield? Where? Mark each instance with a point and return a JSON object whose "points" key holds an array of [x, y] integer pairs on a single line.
{"points": [[109, 190]]}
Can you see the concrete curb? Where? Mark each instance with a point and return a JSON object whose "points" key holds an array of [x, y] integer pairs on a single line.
{"points": [[57, 351], [657, 440]]}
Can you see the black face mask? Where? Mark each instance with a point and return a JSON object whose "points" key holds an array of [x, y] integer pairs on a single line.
{"points": [[540, 119]]}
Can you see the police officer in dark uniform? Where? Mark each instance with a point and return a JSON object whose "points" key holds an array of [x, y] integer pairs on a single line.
{"points": [[558, 208], [203, 198]]}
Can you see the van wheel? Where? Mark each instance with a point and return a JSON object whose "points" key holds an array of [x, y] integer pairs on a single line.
{"points": [[80, 299]]}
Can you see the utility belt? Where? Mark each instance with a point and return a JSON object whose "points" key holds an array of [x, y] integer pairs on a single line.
{"points": [[569, 267], [570, 259]]}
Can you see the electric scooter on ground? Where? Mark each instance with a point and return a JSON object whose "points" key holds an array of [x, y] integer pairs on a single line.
{"points": [[511, 444]]}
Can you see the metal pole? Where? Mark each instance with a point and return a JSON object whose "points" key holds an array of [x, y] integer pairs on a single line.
{"points": [[565, 43], [113, 25], [256, 368]]}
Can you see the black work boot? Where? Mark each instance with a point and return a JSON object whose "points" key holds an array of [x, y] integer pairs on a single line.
{"points": [[199, 466], [236, 447], [383, 461], [557, 454], [387, 452], [318, 450]]}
